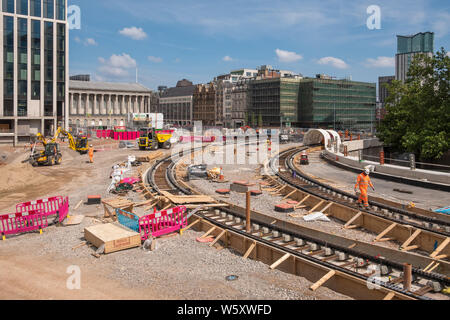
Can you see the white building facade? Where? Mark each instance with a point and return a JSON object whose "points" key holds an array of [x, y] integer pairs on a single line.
{"points": [[104, 104]]}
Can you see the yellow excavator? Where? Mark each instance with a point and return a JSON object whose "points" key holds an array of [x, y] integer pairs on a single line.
{"points": [[51, 154], [80, 144]]}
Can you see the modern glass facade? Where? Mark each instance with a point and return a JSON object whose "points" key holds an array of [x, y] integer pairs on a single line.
{"points": [[35, 59], [8, 66], [275, 100], [34, 93], [22, 66], [407, 48], [420, 42], [49, 8], [35, 8], [48, 68], [339, 104]]}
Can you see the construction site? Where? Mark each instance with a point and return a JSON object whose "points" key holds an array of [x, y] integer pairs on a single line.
{"points": [[241, 216]]}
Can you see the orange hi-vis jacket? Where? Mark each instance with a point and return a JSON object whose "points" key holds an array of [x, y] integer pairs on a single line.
{"points": [[363, 182], [91, 152]]}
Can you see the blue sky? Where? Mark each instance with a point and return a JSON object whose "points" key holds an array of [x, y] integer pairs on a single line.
{"points": [[198, 40]]}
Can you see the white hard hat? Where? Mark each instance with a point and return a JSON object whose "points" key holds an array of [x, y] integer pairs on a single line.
{"points": [[367, 171], [90, 145]]}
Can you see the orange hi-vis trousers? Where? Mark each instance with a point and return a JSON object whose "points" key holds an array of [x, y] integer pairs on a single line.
{"points": [[363, 182], [91, 155]]}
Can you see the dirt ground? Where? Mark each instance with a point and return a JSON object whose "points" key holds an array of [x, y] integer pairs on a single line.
{"points": [[180, 268]]}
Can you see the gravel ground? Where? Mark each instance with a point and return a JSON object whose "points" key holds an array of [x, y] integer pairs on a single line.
{"points": [[266, 202], [180, 268]]}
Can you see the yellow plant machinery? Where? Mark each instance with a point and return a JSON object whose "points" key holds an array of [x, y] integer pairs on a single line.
{"points": [[154, 139]]}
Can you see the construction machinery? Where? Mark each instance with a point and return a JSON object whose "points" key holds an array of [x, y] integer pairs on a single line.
{"points": [[79, 144], [151, 138], [50, 156]]}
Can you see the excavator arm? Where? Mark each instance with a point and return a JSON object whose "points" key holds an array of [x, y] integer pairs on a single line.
{"points": [[72, 142]]}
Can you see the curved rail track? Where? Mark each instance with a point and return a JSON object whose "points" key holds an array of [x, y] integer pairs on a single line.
{"points": [[349, 265], [305, 183]]}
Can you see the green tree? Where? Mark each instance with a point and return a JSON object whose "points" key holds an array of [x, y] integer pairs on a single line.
{"points": [[260, 120], [253, 119], [418, 111], [246, 119]]}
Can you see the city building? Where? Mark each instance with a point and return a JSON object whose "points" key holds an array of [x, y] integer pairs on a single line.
{"points": [[81, 77], [382, 95], [382, 90], [274, 100], [106, 104], [339, 104], [205, 104], [176, 104], [243, 73], [408, 47], [34, 68], [223, 88], [239, 103]]}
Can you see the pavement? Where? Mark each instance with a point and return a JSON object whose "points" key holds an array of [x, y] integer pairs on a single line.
{"points": [[345, 180]]}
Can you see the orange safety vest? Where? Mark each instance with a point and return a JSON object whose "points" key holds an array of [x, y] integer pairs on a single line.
{"points": [[91, 152], [363, 181]]}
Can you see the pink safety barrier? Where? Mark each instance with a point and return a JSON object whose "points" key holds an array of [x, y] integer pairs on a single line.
{"points": [[50, 206], [22, 222], [162, 222]]}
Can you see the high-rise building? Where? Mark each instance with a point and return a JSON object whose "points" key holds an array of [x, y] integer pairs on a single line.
{"points": [[339, 104], [34, 68], [408, 47]]}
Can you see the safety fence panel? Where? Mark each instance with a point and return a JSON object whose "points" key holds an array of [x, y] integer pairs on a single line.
{"points": [[50, 206], [128, 219], [20, 222], [162, 222]]}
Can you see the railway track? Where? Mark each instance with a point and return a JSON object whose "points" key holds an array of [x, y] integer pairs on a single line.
{"points": [[345, 264], [324, 191]]}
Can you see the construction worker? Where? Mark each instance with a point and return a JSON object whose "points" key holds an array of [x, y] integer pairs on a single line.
{"points": [[91, 154], [363, 181]]}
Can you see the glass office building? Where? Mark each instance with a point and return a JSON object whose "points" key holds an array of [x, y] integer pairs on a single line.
{"points": [[34, 93], [336, 104], [408, 47]]}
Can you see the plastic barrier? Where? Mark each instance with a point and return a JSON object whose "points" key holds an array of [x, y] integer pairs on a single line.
{"points": [[22, 222], [128, 219], [50, 206], [162, 222]]}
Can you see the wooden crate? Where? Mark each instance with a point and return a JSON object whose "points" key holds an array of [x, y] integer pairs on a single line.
{"points": [[113, 236]]}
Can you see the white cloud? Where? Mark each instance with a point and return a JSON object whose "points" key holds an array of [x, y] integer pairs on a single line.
{"points": [[441, 24], [133, 33], [287, 56], [335, 62], [381, 62], [177, 60], [448, 54], [155, 59], [116, 66], [227, 58], [90, 42], [77, 39]]}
